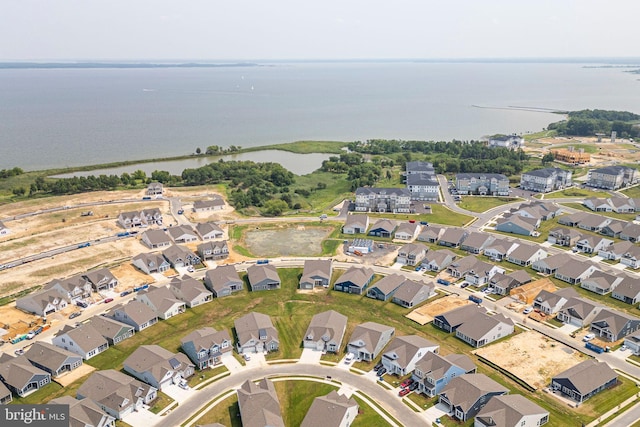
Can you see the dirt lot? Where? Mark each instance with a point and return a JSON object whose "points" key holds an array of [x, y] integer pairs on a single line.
{"points": [[427, 312], [284, 240], [621, 151], [532, 357], [76, 374]]}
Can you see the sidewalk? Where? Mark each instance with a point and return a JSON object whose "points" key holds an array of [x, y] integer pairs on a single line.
{"points": [[630, 400]]}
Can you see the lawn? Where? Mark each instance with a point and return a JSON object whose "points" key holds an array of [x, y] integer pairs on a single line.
{"points": [[225, 413], [588, 148], [633, 192], [439, 215], [575, 192], [622, 216], [304, 147], [161, 402], [297, 396], [367, 416], [482, 204]]}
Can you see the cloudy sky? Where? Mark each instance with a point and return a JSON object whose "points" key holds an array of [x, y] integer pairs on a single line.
{"points": [[317, 29]]}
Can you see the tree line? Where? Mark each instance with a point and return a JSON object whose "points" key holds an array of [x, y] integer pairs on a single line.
{"points": [[590, 122]]}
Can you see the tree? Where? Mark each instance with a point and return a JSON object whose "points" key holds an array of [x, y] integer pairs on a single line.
{"points": [[161, 176], [20, 191], [140, 175], [198, 151], [547, 158], [274, 207]]}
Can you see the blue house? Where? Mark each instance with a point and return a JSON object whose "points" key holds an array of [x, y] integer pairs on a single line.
{"points": [[518, 225], [355, 280], [433, 371], [384, 288]]}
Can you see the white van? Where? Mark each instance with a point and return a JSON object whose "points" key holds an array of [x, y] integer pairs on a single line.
{"points": [[349, 358], [588, 337]]}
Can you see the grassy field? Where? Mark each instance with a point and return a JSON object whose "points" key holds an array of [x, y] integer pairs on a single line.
{"points": [[588, 148], [575, 192], [161, 402], [296, 398], [622, 216], [303, 147], [633, 192], [439, 215], [483, 204], [225, 413]]}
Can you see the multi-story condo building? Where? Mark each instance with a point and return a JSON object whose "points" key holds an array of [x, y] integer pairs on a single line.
{"points": [[571, 156], [483, 184], [612, 177], [545, 180], [395, 200], [506, 141], [422, 181]]}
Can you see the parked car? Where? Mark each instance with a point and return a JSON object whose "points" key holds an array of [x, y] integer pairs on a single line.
{"points": [[246, 357], [414, 386], [527, 310], [82, 304], [19, 352], [404, 392], [74, 315], [406, 383], [108, 300], [588, 337], [378, 366], [349, 358], [382, 371], [183, 385], [464, 285], [125, 293], [38, 330], [31, 336]]}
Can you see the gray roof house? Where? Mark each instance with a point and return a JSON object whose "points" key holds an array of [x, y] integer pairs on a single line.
{"points": [[550, 265], [83, 340], [412, 254], [368, 339], [52, 359], [263, 277], [503, 283], [162, 301], [452, 319], [205, 347], [355, 280], [155, 239], [585, 379], [73, 288], [476, 242], [384, 288], [407, 231], [517, 224], [578, 311], [511, 410], [190, 291], [411, 293], [223, 281], [402, 354], [499, 249], [434, 371], [316, 273], [151, 263], [43, 302], [590, 243], [356, 224], [628, 290], [134, 313], [112, 330], [157, 366], [431, 234], [483, 329], [631, 257], [467, 394], [325, 331], [259, 405], [563, 236], [256, 333], [213, 249], [614, 228], [575, 272], [5, 394], [208, 205], [182, 234], [572, 220], [615, 251], [551, 302], [601, 282], [85, 413], [525, 255], [332, 410], [612, 325], [453, 237], [20, 376], [438, 260], [101, 279], [631, 232], [180, 256], [482, 272], [460, 267], [593, 222], [116, 393], [209, 230], [154, 188], [382, 228]]}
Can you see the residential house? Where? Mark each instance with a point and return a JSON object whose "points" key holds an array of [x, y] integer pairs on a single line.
{"points": [[600, 282], [223, 281], [578, 311], [483, 184], [259, 405], [382, 228], [434, 371], [190, 291], [316, 273], [180, 256], [572, 220], [552, 302], [614, 228], [537, 210], [595, 223], [482, 272], [511, 410], [256, 333], [592, 244], [155, 189], [162, 301], [208, 205], [564, 236], [52, 359], [404, 352], [615, 251], [151, 263], [628, 290], [430, 234], [384, 288], [467, 394], [584, 380], [116, 393], [476, 242], [155, 239], [356, 224], [545, 180], [83, 340], [525, 255], [597, 204], [621, 204], [410, 293], [182, 234], [453, 237], [503, 283], [355, 280], [517, 224], [213, 249], [151, 216], [550, 265], [450, 320], [101, 279], [632, 343], [5, 394], [112, 330], [368, 339], [482, 329], [325, 332], [143, 218], [407, 231], [511, 142], [394, 200], [85, 412], [438, 260], [209, 231], [631, 257], [612, 177], [631, 232], [612, 325], [263, 277], [575, 272], [332, 410], [412, 254], [157, 366], [205, 347], [135, 314], [43, 302], [499, 249], [462, 266], [20, 376], [73, 288]]}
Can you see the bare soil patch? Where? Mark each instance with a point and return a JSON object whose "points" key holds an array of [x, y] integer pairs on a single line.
{"points": [[74, 375], [425, 314], [284, 240], [532, 357]]}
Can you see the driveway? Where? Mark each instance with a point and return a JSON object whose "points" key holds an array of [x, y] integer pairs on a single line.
{"points": [[310, 356], [436, 411], [231, 363]]}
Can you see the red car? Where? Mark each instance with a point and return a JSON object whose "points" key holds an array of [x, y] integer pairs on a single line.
{"points": [[406, 383], [404, 392], [108, 300]]}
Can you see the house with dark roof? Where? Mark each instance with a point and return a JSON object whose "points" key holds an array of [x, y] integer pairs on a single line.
{"points": [[600, 282], [438, 260], [434, 371], [511, 410], [190, 291], [421, 181], [499, 249], [402, 354], [482, 329], [467, 394], [545, 180], [525, 255], [332, 410], [476, 242], [256, 333], [213, 249], [382, 228], [412, 254], [101, 279], [614, 228], [453, 237], [316, 272], [85, 413], [628, 290], [575, 272], [206, 346], [112, 330], [572, 220], [209, 231], [20, 376], [411, 293], [259, 405], [503, 283], [450, 320], [407, 231], [578, 311], [83, 340], [263, 277], [612, 177], [612, 325], [162, 301], [584, 380], [563, 236], [155, 239], [134, 313], [157, 366], [325, 331], [223, 281], [551, 302], [151, 263], [52, 359], [355, 280], [368, 339], [384, 288], [595, 223], [356, 224]]}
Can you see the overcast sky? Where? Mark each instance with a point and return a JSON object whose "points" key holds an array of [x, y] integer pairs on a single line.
{"points": [[320, 29]]}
